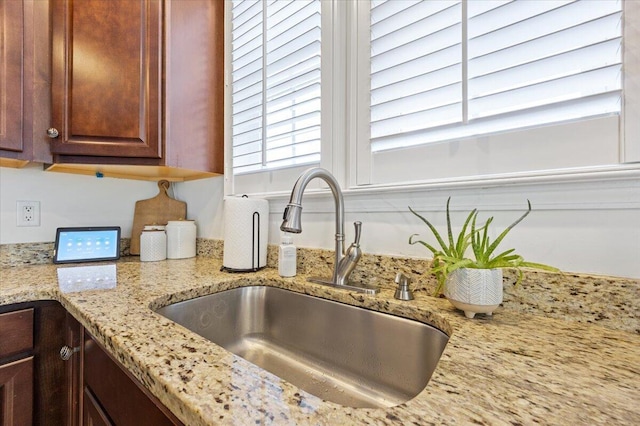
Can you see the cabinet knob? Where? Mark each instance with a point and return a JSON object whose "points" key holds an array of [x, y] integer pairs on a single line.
{"points": [[66, 352], [52, 132]]}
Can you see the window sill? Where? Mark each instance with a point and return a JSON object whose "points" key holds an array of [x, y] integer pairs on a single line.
{"points": [[603, 187]]}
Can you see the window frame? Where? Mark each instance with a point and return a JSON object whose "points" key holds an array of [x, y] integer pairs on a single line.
{"points": [[281, 179], [345, 117], [366, 163]]}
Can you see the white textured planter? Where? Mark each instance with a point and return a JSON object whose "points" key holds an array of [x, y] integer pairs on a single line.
{"points": [[474, 291]]}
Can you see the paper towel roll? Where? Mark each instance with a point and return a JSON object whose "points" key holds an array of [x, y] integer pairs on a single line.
{"points": [[246, 232]]}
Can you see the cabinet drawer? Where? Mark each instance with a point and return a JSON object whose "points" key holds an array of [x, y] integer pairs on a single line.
{"points": [[16, 332]]}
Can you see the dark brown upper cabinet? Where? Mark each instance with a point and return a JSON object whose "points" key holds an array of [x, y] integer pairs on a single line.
{"points": [[137, 88], [24, 82]]}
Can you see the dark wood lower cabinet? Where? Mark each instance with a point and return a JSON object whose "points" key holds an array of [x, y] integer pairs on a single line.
{"points": [[115, 396], [32, 382], [16, 393], [38, 387]]}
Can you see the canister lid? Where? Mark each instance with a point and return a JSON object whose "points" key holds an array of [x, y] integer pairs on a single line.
{"points": [[181, 222]]}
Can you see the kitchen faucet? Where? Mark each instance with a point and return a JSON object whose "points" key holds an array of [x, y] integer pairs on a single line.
{"points": [[344, 263]]}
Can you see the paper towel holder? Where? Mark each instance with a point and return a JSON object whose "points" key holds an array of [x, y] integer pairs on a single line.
{"points": [[255, 247]]}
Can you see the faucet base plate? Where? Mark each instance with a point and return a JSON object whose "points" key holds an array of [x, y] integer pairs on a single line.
{"points": [[357, 287]]}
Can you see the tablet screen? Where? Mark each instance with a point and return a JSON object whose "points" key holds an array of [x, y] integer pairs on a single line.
{"points": [[87, 244]]}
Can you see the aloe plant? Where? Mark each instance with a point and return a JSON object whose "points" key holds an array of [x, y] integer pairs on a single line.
{"points": [[451, 254]]}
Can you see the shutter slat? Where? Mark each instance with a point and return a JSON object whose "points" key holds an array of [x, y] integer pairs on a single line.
{"points": [[435, 42], [243, 11], [416, 103], [248, 103], [559, 66], [255, 135], [248, 69], [292, 151], [294, 84], [573, 87], [250, 87], [423, 83], [592, 106], [387, 36], [574, 14], [291, 51], [412, 122], [277, 26], [593, 32], [278, 75], [508, 14], [301, 122], [411, 69], [288, 113], [297, 136], [247, 126], [248, 148]]}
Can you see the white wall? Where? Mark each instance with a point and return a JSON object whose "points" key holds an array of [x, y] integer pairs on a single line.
{"points": [[66, 200], [589, 225]]}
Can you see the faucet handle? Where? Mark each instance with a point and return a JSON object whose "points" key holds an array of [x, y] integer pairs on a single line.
{"points": [[358, 226], [403, 292]]}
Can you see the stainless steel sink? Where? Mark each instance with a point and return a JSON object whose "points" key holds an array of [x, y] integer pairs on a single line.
{"points": [[341, 353]]}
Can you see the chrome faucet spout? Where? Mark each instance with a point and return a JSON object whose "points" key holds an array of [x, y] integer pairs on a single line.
{"points": [[292, 221], [344, 263]]}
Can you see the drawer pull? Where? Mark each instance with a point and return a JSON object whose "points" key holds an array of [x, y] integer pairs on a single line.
{"points": [[66, 352]]}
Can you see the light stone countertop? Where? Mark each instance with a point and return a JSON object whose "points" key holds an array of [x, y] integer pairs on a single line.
{"points": [[513, 368]]}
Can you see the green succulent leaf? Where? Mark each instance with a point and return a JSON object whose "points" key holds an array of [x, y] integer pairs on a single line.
{"points": [[427, 245], [450, 234], [433, 230], [451, 256]]}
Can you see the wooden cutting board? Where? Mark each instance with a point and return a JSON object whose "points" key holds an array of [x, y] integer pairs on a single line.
{"points": [[155, 211]]}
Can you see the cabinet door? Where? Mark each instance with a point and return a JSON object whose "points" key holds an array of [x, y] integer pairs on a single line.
{"points": [[16, 393], [12, 42], [92, 412], [12, 17], [106, 88], [25, 85], [123, 400]]}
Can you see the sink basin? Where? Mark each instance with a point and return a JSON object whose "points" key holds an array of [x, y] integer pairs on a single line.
{"points": [[341, 353]]}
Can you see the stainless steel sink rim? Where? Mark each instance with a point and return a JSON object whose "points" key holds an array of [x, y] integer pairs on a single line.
{"points": [[341, 353]]}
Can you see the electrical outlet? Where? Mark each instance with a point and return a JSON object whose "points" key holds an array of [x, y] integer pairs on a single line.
{"points": [[28, 213]]}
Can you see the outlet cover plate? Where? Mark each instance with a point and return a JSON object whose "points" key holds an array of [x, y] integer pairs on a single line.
{"points": [[28, 213]]}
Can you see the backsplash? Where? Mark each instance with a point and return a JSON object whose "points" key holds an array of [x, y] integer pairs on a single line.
{"points": [[607, 301], [38, 253]]}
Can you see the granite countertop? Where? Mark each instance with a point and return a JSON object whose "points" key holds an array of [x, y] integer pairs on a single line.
{"points": [[516, 367]]}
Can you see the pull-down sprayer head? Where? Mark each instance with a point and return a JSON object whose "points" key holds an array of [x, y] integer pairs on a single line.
{"points": [[292, 219]]}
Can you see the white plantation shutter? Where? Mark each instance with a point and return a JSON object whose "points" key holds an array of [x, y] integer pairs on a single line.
{"points": [[445, 70], [275, 84], [416, 71]]}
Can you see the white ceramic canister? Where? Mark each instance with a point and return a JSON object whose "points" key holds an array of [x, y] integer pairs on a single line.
{"points": [[153, 243], [181, 239]]}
